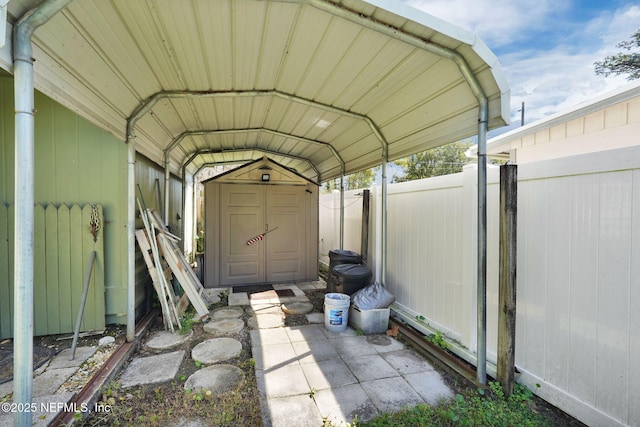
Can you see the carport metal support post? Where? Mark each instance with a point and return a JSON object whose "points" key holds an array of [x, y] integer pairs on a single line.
{"points": [[483, 115], [482, 244], [167, 185], [24, 200], [131, 236], [342, 209]]}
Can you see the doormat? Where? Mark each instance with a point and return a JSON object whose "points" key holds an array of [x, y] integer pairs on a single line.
{"points": [[252, 288], [41, 354], [271, 294]]}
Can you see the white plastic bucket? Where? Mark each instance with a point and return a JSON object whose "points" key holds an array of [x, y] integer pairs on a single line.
{"points": [[336, 311]]}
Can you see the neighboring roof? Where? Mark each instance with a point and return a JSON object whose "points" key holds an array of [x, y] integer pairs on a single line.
{"points": [[310, 83], [500, 146]]}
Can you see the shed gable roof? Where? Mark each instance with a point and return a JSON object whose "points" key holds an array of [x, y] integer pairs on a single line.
{"points": [[252, 172]]}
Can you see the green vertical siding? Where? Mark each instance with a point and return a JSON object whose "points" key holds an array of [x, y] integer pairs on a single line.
{"points": [[75, 163], [78, 163]]}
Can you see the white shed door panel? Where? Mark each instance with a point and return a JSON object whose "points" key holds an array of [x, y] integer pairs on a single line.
{"points": [[242, 217], [246, 211]]}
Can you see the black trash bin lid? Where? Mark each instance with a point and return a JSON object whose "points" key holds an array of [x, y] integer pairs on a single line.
{"points": [[344, 255], [352, 270]]}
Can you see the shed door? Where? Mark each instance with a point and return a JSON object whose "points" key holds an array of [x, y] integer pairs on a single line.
{"points": [[285, 245], [246, 211]]}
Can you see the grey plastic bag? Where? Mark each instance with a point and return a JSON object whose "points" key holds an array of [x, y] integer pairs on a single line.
{"points": [[373, 296]]}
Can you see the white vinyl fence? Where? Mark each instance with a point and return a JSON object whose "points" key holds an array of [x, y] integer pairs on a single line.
{"points": [[578, 278]]}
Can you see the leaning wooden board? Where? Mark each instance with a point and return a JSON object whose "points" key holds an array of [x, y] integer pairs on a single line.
{"points": [[183, 272]]}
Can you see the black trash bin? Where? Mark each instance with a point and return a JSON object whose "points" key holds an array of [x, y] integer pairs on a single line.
{"points": [[337, 257], [351, 277]]}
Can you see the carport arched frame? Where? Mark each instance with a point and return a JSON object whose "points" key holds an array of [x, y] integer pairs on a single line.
{"points": [[178, 140], [483, 118], [24, 171], [147, 105]]}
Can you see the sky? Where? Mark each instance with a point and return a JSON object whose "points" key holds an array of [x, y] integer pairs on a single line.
{"points": [[546, 47]]}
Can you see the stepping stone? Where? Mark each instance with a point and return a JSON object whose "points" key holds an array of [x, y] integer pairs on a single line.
{"points": [[297, 308], [164, 340], [216, 350], [238, 299], [62, 359], [212, 296], [224, 326], [217, 378], [315, 317], [152, 369], [55, 403], [227, 313], [48, 382], [266, 321]]}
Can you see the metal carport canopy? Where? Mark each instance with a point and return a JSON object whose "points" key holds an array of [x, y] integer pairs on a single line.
{"points": [[344, 73], [367, 81]]}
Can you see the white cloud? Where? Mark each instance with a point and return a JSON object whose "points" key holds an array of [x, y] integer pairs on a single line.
{"points": [[497, 22], [546, 55]]}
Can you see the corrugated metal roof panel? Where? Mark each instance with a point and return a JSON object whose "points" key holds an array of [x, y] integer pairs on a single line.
{"points": [[323, 72]]}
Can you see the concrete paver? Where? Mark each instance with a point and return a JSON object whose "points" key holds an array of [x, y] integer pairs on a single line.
{"points": [[303, 373], [216, 350], [288, 380], [216, 378], [345, 403], [224, 326], [165, 340], [371, 367], [152, 369], [261, 321], [50, 380], [391, 394], [227, 313], [293, 411], [328, 373], [430, 386], [63, 359]]}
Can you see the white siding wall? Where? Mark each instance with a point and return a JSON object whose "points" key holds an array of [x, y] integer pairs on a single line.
{"points": [[578, 324]]}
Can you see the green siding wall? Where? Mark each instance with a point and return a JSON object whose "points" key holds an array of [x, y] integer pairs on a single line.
{"points": [[75, 162], [78, 163]]}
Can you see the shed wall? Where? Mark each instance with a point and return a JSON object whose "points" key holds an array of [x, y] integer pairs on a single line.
{"points": [[226, 250]]}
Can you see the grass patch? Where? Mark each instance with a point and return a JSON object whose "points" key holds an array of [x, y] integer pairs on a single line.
{"points": [[483, 407]]}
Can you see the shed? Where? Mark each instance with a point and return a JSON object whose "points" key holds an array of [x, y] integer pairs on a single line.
{"points": [[261, 226]]}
